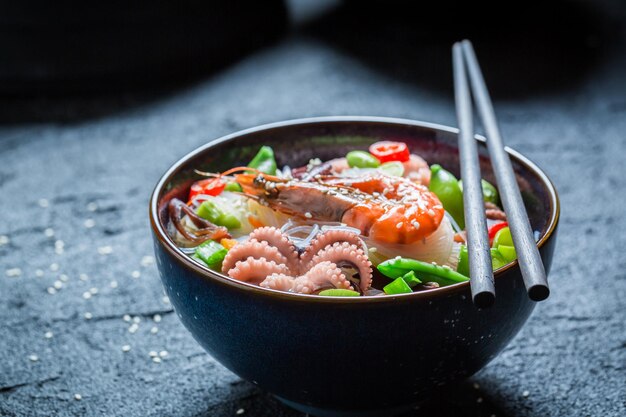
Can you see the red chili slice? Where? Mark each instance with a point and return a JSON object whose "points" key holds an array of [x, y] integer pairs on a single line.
{"points": [[387, 151], [210, 186], [495, 229]]}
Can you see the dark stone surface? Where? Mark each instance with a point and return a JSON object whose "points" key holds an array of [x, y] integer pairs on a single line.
{"points": [[570, 358]]}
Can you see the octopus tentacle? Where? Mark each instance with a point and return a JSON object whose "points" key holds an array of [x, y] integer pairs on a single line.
{"points": [[256, 270], [328, 238], [344, 252], [274, 237], [494, 212], [279, 282], [254, 249], [324, 274]]}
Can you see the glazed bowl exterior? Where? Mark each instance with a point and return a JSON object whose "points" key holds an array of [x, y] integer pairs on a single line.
{"points": [[345, 356]]}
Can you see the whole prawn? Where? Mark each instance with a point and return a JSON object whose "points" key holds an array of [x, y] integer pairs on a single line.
{"points": [[384, 208]]}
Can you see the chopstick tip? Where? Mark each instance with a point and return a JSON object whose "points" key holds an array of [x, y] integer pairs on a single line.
{"points": [[538, 292], [484, 299]]}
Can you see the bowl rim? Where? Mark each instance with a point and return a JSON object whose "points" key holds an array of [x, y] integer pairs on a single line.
{"points": [[167, 243]]}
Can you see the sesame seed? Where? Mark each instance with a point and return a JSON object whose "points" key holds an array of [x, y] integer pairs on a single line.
{"points": [[58, 285], [39, 272], [48, 335], [156, 359], [88, 316], [147, 260], [64, 278], [89, 223], [154, 330], [479, 400], [308, 215], [157, 318], [59, 250], [93, 290], [105, 250], [52, 290], [59, 243], [92, 206], [126, 317], [476, 386], [133, 328], [153, 354], [399, 225], [525, 394], [4, 240], [166, 299], [135, 274], [415, 224], [240, 411], [13, 272], [83, 277], [86, 295], [49, 232], [137, 319], [113, 284], [163, 353], [372, 249], [54, 267], [78, 397], [126, 348], [33, 358], [431, 212], [43, 203]]}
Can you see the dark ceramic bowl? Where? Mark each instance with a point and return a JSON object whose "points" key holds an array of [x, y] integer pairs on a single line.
{"points": [[345, 356]]}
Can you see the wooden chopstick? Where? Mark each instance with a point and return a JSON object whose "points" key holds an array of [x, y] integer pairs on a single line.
{"points": [[532, 268], [481, 271]]}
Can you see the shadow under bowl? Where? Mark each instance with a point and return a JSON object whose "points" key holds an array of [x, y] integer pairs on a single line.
{"points": [[332, 356]]}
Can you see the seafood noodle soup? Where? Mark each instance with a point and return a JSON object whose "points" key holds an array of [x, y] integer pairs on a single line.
{"points": [[369, 223]]}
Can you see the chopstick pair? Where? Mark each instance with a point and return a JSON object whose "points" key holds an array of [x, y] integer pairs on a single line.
{"points": [[481, 272]]}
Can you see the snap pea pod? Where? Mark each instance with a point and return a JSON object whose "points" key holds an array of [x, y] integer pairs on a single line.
{"points": [[446, 188], [503, 237], [397, 286], [339, 292], [233, 186], [490, 194], [507, 252], [411, 279], [211, 253], [498, 258], [398, 267], [264, 161], [362, 159], [208, 210]]}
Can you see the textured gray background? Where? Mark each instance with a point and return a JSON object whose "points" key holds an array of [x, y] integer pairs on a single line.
{"points": [[570, 358]]}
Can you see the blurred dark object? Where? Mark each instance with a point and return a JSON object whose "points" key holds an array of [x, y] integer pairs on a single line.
{"points": [[526, 47], [76, 46]]}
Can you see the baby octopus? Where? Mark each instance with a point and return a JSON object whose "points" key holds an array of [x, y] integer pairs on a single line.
{"points": [[271, 260]]}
